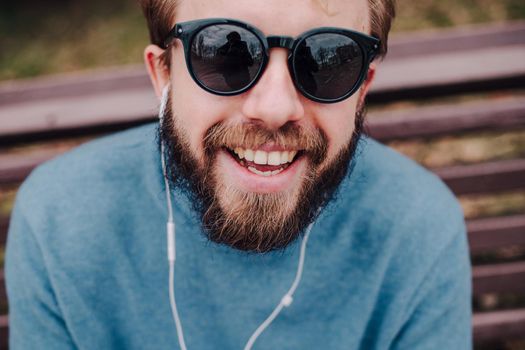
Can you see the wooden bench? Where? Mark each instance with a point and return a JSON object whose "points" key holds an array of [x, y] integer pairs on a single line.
{"points": [[420, 66]]}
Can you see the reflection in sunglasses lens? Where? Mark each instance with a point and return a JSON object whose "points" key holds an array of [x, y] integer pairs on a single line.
{"points": [[226, 58], [328, 65]]}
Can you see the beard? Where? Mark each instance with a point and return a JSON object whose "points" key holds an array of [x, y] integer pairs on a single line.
{"points": [[251, 221]]}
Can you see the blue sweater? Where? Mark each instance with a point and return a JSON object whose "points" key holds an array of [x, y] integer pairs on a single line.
{"points": [[386, 266]]}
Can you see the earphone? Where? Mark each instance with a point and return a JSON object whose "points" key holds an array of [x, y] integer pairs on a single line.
{"points": [[170, 227], [285, 301]]}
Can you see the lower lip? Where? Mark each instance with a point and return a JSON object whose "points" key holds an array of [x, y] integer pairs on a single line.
{"points": [[252, 182]]}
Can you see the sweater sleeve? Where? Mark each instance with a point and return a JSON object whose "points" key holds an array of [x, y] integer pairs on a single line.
{"points": [[35, 320], [442, 314]]}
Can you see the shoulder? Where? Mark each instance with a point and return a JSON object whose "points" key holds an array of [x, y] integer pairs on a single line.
{"points": [[93, 174], [396, 186], [398, 206]]}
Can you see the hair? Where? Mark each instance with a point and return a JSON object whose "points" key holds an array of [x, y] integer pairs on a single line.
{"points": [[160, 14], [382, 13]]}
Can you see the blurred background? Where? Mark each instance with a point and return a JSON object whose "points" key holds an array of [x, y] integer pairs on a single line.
{"points": [[70, 70], [59, 36]]}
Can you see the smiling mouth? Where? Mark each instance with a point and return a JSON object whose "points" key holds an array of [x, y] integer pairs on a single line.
{"points": [[264, 163]]}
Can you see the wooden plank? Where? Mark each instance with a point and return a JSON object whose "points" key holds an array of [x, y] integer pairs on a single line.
{"points": [[4, 332], [498, 278], [70, 116], [462, 38], [4, 225], [484, 178], [447, 74], [449, 119], [84, 83], [492, 233], [3, 292], [497, 326], [15, 167]]}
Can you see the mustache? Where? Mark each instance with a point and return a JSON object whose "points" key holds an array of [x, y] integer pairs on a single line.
{"points": [[313, 142]]}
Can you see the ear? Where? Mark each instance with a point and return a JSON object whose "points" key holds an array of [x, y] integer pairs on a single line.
{"points": [[157, 70], [366, 85]]}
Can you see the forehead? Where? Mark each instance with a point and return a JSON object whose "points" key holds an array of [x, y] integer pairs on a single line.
{"points": [[281, 17]]}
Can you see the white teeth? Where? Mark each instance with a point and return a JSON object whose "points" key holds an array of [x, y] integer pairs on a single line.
{"points": [[240, 152], [291, 155], [248, 154], [261, 157], [284, 157], [274, 158], [264, 173]]}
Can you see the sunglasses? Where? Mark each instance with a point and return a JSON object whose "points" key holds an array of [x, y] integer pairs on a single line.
{"points": [[227, 57]]}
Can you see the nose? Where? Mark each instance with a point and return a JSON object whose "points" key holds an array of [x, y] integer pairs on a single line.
{"points": [[274, 101]]}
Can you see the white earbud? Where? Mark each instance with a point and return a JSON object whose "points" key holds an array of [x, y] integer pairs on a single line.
{"points": [[164, 100]]}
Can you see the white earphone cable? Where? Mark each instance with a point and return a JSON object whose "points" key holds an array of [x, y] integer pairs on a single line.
{"points": [[170, 229], [286, 300]]}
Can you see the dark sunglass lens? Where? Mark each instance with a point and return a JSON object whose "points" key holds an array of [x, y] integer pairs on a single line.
{"points": [[226, 58], [328, 65]]}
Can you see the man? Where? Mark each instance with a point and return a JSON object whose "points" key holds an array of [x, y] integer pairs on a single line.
{"points": [[292, 231]]}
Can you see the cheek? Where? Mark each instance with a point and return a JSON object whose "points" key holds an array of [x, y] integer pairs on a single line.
{"points": [[337, 121], [195, 109]]}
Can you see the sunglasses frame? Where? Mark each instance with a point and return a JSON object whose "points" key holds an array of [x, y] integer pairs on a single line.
{"points": [[186, 32]]}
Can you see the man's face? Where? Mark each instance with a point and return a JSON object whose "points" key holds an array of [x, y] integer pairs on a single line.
{"points": [[218, 144]]}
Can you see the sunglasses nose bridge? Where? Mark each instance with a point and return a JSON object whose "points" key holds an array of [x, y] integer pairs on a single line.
{"points": [[284, 42]]}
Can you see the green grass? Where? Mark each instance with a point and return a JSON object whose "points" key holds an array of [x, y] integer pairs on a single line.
{"points": [[58, 36], [52, 38]]}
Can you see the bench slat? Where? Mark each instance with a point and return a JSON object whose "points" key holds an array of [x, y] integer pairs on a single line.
{"points": [[14, 167], [489, 177], [4, 333], [498, 278], [452, 119], [447, 74], [84, 83], [492, 233], [463, 38], [4, 224], [496, 326], [67, 116], [3, 292], [4, 330]]}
